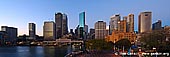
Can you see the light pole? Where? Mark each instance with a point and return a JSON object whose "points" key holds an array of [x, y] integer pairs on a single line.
{"points": [[114, 46]]}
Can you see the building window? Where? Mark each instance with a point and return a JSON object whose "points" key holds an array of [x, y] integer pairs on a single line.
{"points": [[146, 14]]}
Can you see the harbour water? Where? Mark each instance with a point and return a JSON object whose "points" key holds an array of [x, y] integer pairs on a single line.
{"points": [[34, 51]]}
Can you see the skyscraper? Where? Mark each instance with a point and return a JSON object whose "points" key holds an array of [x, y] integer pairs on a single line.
{"points": [[92, 33], [49, 30], [58, 22], [12, 33], [82, 19], [157, 25], [122, 26], [86, 29], [77, 31], [145, 22], [100, 30], [130, 23], [81, 31], [32, 31], [61, 24], [114, 22], [64, 25], [125, 29]]}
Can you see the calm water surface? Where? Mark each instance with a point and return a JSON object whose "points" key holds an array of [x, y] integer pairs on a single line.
{"points": [[34, 51]]}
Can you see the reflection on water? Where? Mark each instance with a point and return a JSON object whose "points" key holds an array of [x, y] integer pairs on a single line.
{"points": [[34, 51]]}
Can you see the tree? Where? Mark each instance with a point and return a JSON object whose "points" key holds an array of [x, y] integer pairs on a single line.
{"points": [[99, 44], [123, 42], [155, 39]]}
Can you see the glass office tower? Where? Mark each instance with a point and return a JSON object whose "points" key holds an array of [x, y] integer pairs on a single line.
{"points": [[81, 25], [82, 19], [81, 33]]}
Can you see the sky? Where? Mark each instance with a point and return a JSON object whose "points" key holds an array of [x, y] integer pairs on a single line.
{"points": [[18, 13]]}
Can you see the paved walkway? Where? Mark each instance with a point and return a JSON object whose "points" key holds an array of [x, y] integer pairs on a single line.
{"points": [[98, 55]]}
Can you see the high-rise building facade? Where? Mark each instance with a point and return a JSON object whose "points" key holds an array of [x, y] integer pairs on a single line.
{"points": [[125, 29], [82, 19], [32, 31], [61, 24], [3, 38], [92, 33], [49, 31], [114, 22], [145, 22], [157, 25], [12, 33], [81, 30], [122, 26], [77, 31], [100, 30], [86, 29], [130, 23], [64, 25], [58, 22], [106, 32]]}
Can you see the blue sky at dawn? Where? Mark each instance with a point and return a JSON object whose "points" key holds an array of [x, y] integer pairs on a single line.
{"points": [[18, 13]]}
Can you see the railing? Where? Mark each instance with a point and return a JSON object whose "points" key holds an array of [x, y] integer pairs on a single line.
{"points": [[64, 40]]}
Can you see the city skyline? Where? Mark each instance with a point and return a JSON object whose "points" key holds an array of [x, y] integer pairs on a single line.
{"points": [[20, 13]]}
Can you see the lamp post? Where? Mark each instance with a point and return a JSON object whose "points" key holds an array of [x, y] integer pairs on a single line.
{"points": [[114, 46]]}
